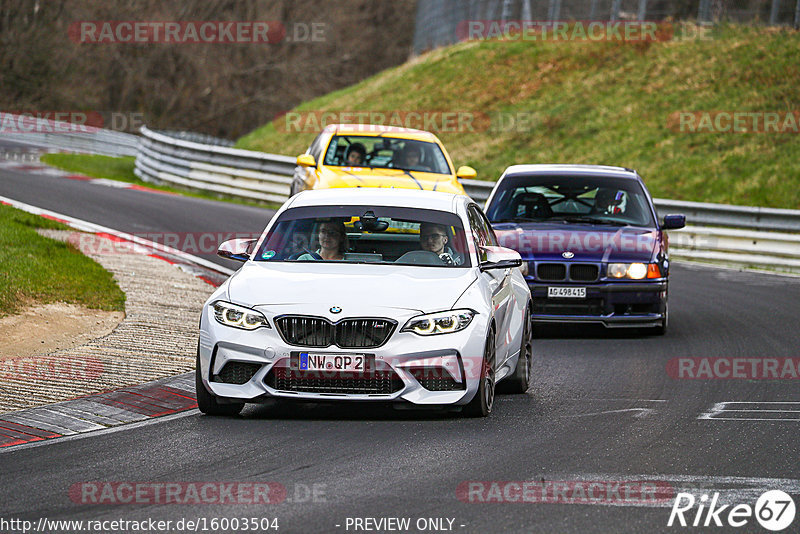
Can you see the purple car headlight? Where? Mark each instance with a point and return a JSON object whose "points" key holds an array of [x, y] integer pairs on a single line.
{"points": [[634, 271]]}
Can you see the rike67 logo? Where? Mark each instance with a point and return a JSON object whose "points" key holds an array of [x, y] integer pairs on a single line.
{"points": [[774, 510]]}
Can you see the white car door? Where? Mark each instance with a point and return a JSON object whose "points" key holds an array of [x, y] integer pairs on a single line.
{"points": [[499, 283]]}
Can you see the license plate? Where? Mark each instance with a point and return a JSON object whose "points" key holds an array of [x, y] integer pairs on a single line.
{"points": [[311, 361], [566, 292]]}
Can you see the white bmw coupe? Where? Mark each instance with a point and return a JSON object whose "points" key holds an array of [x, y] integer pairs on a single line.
{"points": [[368, 295]]}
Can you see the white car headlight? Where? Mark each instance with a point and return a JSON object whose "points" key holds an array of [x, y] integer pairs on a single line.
{"points": [[439, 323], [637, 271], [238, 316], [634, 271]]}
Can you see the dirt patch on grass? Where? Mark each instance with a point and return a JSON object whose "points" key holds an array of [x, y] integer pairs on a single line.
{"points": [[45, 328]]}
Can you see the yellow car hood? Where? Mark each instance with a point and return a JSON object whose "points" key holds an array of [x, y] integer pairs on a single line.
{"points": [[332, 177]]}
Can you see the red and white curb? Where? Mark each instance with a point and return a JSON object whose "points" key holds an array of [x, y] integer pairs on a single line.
{"points": [[134, 404], [163, 397]]}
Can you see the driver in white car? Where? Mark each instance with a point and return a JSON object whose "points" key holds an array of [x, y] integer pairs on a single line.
{"points": [[433, 238]]}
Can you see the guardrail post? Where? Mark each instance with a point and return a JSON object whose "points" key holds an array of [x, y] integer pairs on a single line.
{"points": [[704, 12], [506, 13], [615, 10], [554, 10], [773, 14], [526, 9], [642, 10], [797, 15]]}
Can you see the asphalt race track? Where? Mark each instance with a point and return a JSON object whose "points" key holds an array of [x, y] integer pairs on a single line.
{"points": [[154, 216], [603, 408]]}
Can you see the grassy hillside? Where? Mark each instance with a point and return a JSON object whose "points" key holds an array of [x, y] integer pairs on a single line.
{"points": [[609, 103]]}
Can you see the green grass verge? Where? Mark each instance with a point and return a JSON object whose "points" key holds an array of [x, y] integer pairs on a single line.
{"points": [[36, 269], [602, 103], [121, 169], [96, 166]]}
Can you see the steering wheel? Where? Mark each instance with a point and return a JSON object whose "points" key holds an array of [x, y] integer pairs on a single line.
{"points": [[311, 253]]}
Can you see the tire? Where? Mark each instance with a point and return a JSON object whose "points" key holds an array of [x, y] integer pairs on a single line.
{"points": [[520, 381], [206, 402], [481, 405]]}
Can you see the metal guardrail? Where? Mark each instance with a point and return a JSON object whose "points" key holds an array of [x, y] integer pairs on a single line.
{"points": [[196, 137], [741, 236], [240, 173], [747, 217], [742, 248], [719, 233], [66, 136], [703, 213]]}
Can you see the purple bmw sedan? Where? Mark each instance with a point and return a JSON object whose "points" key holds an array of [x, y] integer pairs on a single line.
{"points": [[591, 240]]}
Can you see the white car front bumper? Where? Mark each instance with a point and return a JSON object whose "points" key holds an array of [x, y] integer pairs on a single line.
{"points": [[262, 361]]}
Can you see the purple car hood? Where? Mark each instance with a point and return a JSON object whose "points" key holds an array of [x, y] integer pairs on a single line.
{"points": [[549, 241]]}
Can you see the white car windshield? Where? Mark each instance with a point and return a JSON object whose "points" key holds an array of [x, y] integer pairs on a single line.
{"points": [[367, 234]]}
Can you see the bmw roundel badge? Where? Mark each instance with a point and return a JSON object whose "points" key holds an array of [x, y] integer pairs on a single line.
{"points": [[336, 309], [567, 254]]}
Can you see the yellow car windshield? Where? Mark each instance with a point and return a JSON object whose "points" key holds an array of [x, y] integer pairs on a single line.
{"points": [[386, 153]]}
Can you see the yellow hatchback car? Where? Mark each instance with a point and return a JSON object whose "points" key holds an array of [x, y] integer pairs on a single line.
{"points": [[365, 155]]}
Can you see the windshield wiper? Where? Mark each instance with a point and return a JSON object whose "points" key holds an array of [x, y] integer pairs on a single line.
{"points": [[588, 219], [517, 219]]}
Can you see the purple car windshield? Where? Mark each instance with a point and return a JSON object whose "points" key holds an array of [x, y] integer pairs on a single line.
{"points": [[580, 199]]}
